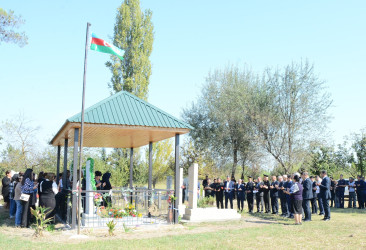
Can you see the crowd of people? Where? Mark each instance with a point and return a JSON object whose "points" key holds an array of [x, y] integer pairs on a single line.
{"points": [[23, 191], [299, 196]]}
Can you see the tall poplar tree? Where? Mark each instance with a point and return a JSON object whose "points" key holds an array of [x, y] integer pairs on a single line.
{"points": [[133, 32]]}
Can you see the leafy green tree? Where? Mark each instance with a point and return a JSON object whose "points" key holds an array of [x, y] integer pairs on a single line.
{"points": [[359, 149], [8, 23], [323, 159], [289, 110], [221, 125], [162, 157], [133, 32]]}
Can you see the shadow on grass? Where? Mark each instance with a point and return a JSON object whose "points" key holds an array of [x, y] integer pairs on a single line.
{"points": [[271, 219], [348, 210]]}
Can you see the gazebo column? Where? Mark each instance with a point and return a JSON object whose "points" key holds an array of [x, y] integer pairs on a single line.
{"points": [[64, 175], [131, 168], [131, 173], [150, 165], [150, 175], [74, 178], [58, 164], [176, 180]]}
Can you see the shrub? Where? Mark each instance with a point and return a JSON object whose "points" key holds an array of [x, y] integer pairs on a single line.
{"points": [[111, 227], [206, 202], [40, 214]]}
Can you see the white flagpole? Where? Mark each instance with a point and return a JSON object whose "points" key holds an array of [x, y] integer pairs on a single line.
{"points": [[82, 124]]}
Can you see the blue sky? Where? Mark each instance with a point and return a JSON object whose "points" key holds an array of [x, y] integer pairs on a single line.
{"points": [[43, 80]]}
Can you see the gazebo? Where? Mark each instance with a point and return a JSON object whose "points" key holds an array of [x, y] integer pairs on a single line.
{"points": [[120, 121]]}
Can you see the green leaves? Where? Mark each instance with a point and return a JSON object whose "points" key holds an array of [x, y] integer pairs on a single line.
{"points": [[41, 224], [111, 227]]}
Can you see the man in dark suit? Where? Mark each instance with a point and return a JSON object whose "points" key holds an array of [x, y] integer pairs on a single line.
{"points": [[249, 190], [259, 195], [325, 194], [359, 192], [228, 191], [265, 191], [341, 186], [307, 195], [274, 195], [241, 195], [282, 195], [314, 205], [219, 193]]}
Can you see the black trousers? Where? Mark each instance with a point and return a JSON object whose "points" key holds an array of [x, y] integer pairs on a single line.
{"points": [[219, 200], [183, 195], [341, 199], [326, 208], [314, 206], [360, 199], [50, 204], [250, 203], [332, 200], [229, 197], [26, 215], [260, 202], [241, 200], [284, 207], [321, 205], [274, 203], [266, 202], [306, 208]]}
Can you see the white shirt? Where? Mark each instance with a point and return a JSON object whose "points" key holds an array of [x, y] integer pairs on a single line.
{"points": [[352, 186], [54, 188], [317, 187]]}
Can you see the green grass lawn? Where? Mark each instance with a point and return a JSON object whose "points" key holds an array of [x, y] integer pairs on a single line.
{"points": [[345, 230]]}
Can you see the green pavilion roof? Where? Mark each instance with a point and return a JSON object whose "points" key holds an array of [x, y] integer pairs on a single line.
{"points": [[122, 120], [124, 108]]}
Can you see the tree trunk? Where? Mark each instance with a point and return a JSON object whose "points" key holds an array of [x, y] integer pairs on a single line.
{"points": [[235, 163]]}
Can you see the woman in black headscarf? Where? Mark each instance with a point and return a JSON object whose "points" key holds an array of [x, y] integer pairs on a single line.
{"points": [[106, 184]]}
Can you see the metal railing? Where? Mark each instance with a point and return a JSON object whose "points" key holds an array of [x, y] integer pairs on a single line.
{"points": [[126, 207]]}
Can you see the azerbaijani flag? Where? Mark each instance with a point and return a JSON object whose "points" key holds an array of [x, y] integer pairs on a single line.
{"points": [[104, 47]]}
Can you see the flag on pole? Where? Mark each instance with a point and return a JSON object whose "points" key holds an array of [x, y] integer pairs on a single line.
{"points": [[104, 47]]}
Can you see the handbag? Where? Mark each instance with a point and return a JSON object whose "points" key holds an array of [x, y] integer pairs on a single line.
{"points": [[24, 197]]}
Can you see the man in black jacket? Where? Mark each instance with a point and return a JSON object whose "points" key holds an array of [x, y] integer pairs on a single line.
{"points": [[325, 194], [274, 195], [249, 190], [219, 193], [307, 195], [282, 195], [265, 190], [314, 205]]}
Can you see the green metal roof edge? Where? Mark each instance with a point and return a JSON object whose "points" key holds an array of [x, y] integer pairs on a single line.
{"points": [[75, 117]]}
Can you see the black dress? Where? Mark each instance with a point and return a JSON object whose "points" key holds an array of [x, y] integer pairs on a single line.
{"points": [[105, 179], [47, 197], [5, 190]]}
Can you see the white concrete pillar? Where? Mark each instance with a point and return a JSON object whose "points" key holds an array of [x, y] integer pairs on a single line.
{"points": [[180, 187], [89, 203], [193, 185]]}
